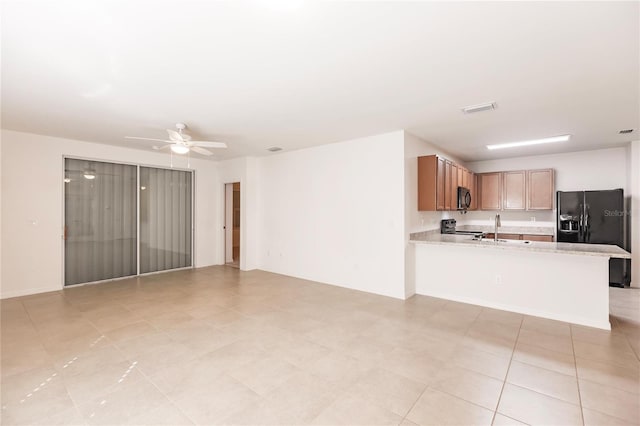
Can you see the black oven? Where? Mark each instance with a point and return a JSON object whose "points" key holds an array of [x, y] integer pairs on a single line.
{"points": [[464, 198]]}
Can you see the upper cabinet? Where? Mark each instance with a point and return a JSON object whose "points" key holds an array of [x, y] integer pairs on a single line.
{"points": [[431, 183], [520, 190], [540, 189], [516, 190], [473, 189], [438, 181], [453, 189], [490, 191]]}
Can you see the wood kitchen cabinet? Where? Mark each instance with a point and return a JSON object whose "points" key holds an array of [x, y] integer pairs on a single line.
{"points": [[438, 181], [432, 183], [447, 185], [540, 189], [473, 189], [468, 178], [490, 191], [525, 237], [514, 189], [502, 236], [546, 238], [454, 186]]}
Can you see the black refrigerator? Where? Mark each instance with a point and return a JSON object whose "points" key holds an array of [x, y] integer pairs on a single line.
{"points": [[595, 217]]}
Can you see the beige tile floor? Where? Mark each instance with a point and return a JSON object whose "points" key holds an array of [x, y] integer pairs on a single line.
{"points": [[221, 346]]}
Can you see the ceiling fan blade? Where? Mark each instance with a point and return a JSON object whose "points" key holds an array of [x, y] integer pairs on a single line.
{"points": [[208, 144], [147, 139], [175, 136], [201, 150]]}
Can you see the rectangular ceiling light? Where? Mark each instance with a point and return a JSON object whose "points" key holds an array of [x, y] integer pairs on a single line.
{"points": [[553, 139], [479, 107]]}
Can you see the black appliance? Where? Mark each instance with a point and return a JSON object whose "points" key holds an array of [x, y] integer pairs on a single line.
{"points": [[595, 217], [448, 226], [464, 198]]}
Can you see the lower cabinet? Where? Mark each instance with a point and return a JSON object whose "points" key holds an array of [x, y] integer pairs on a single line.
{"points": [[505, 236], [546, 238]]}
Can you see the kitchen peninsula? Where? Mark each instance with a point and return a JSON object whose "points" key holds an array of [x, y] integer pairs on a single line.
{"points": [[560, 281]]}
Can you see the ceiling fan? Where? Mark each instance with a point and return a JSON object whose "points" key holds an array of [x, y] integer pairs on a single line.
{"points": [[181, 143]]}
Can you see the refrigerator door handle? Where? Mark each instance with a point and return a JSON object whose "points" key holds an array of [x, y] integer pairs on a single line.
{"points": [[581, 222], [586, 223]]}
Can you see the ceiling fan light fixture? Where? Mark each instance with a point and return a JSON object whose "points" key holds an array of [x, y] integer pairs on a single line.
{"points": [[89, 174], [179, 149]]}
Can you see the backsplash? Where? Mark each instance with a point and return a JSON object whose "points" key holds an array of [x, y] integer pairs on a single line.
{"points": [[508, 218]]}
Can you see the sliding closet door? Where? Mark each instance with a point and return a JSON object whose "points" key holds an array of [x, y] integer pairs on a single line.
{"points": [[100, 221], [165, 219]]}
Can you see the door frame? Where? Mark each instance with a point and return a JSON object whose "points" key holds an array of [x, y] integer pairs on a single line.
{"points": [[228, 222]]}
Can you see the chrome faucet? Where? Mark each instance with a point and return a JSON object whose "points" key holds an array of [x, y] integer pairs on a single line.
{"points": [[497, 225]]}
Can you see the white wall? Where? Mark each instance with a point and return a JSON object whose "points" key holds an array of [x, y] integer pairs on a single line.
{"points": [[0, 216], [32, 192], [574, 171], [416, 221], [334, 213], [634, 193]]}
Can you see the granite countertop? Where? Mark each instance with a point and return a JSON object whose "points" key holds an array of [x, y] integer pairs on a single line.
{"points": [[528, 230], [434, 237]]}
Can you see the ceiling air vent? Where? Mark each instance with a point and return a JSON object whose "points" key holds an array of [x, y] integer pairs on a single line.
{"points": [[274, 149], [480, 107], [625, 131]]}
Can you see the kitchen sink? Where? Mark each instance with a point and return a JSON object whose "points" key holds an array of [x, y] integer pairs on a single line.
{"points": [[491, 240]]}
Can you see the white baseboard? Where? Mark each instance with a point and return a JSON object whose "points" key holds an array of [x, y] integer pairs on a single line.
{"points": [[26, 292]]}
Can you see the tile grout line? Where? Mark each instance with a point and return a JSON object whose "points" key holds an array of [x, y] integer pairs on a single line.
{"points": [[575, 366], [152, 383], [633, 349], [75, 405], [414, 404], [504, 382], [437, 390]]}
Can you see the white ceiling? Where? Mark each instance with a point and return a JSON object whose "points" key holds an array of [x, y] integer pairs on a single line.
{"points": [[295, 74]]}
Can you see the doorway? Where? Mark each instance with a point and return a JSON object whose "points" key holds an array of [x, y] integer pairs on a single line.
{"points": [[232, 224]]}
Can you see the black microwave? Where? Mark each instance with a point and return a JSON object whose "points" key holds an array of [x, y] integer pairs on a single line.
{"points": [[464, 198]]}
